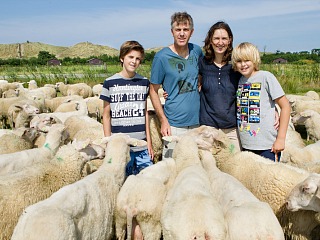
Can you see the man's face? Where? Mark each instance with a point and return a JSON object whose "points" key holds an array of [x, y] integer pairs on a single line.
{"points": [[181, 33]]}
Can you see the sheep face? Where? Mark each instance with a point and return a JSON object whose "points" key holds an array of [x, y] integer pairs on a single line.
{"points": [[305, 195]]}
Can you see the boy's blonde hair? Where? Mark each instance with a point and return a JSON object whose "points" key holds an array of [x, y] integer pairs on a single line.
{"points": [[128, 46], [246, 52]]}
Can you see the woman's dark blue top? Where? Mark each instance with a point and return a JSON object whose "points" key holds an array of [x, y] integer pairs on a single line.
{"points": [[218, 95]]}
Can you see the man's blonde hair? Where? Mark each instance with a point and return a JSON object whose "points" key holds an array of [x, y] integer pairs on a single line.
{"points": [[181, 18], [246, 52]]}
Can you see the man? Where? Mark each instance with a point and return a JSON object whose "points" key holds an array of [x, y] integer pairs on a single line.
{"points": [[176, 68]]}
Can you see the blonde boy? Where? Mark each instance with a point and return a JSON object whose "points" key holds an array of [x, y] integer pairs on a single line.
{"points": [[258, 92]]}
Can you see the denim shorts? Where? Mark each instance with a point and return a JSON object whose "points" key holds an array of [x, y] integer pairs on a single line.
{"points": [[139, 160]]}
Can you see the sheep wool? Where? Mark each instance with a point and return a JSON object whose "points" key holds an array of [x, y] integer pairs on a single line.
{"points": [[84, 209], [35, 183]]}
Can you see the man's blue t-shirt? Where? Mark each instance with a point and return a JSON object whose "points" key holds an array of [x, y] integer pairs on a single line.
{"points": [[179, 78]]}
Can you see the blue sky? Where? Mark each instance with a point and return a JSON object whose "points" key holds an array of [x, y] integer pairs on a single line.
{"points": [[284, 25]]}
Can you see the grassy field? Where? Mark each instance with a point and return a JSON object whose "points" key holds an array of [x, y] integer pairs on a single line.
{"points": [[294, 78]]}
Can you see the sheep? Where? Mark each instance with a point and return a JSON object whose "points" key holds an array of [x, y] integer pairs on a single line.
{"points": [[96, 89], [20, 115], [11, 142], [311, 120], [81, 110], [190, 211], [67, 106], [312, 94], [35, 183], [156, 136], [301, 105], [74, 211], [44, 123], [305, 195], [9, 93], [5, 104], [13, 162], [5, 86], [52, 104], [298, 156], [92, 131], [45, 92], [135, 199], [81, 89], [32, 84], [270, 182], [89, 150], [95, 107], [240, 206]]}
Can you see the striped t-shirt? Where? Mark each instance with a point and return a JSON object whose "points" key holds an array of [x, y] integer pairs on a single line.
{"points": [[127, 98]]}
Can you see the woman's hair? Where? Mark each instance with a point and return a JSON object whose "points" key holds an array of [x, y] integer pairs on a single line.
{"points": [[246, 52], [128, 46], [181, 18], [208, 49]]}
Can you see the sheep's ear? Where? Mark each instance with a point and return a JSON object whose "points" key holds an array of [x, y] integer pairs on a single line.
{"points": [[105, 140], [18, 107], [171, 138]]}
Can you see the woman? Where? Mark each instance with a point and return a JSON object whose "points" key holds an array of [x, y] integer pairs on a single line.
{"points": [[219, 82]]}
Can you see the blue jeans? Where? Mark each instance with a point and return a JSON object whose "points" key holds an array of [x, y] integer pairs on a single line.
{"points": [[139, 160], [265, 153]]}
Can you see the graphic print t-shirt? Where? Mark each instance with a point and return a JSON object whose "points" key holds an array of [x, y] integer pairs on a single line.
{"points": [[256, 110], [179, 78], [127, 98]]}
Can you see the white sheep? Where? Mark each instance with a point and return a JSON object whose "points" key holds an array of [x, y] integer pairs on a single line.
{"points": [[20, 115], [5, 104], [89, 150], [13, 162], [136, 201], [96, 89], [12, 142], [35, 183], [81, 89], [9, 93], [270, 182], [84, 209], [75, 126], [311, 120], [81, 110], [190, 210], [301, 105], [245, 215], [4, 86], [95, 107], [312, 94], [299, 156], [52, 104], [305, 195], [32, 84]]}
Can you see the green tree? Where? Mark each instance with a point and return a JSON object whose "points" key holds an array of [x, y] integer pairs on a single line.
{"points": [[44, 57]]}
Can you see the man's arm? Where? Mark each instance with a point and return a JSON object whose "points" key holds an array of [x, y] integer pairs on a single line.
{"points": [[155, 99]]}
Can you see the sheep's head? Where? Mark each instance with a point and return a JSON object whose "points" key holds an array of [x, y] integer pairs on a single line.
{"points": [[305, 195]]}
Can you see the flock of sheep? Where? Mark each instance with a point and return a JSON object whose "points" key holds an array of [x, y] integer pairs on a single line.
{"points": [[60, 178]]}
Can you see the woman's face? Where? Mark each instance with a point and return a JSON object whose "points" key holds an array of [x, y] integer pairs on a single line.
{"points": [[220, 41]]}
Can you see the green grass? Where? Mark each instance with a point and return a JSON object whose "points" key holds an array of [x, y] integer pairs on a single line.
{"points": [[295, 79]]}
